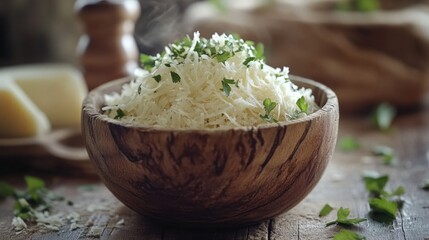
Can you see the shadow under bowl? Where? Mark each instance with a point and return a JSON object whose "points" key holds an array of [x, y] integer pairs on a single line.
{"points": [[211, 177]]}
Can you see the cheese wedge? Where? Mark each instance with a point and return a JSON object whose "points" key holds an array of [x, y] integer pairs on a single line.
{"points": [[56, 89], [19, 116]]}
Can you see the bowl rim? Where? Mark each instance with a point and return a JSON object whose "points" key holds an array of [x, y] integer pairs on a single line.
{"points": [[89, 109]]}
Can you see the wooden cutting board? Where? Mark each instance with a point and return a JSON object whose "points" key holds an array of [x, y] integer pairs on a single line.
{"points": [[61, 150]]}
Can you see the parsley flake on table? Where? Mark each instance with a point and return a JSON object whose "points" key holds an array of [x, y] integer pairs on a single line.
{"points": [[425, 185], [348, 235], [349, 143], [34, 200], [375, 185], [325, 210], [383, 116], [383, 206], [6, 190], [386, 153], [342, 218]]}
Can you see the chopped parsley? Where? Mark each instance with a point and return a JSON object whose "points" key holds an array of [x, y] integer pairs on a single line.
{"points": [[383, 116], [344, 234], [223, 56], [226, 88], [302, 104], [349, 143], [384, 205], [36, 198], [425, 185], [268, 107], [219, 5], [325, 210], [119, 113], [248, 60], [342, 218], [6, 190], [258, 53], [148, 62], [157, 78], [358, 5], [139, 90], [175, 77], [386, 153], [209, 47], [375, 185]]}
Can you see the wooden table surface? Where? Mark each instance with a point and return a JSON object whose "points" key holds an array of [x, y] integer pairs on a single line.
{"points": [[341, 186]]}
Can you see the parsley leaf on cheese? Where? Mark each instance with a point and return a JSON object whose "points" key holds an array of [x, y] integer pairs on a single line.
{"points": [[302, 104], [268, 107]]}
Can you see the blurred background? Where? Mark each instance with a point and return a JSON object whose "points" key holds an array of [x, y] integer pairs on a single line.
{"points": [[48, 30]]}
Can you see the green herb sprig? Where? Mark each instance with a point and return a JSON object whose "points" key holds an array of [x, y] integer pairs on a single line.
{"points": [[342, 218], [35, 197], [226, 88], [119, 113], [302, 105], [386, 153], [383, 116], [344, 234], [175, 77], [268, 107], [425, 184], [384, 205], [358, 5], [325, 210], [157, 78], [349, 143]]}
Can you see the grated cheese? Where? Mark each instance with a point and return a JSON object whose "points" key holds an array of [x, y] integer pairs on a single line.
{"points": [[185, 88], [18, 224]]}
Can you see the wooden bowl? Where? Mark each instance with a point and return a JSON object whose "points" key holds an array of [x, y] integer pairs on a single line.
{"points": [[212, 177]]}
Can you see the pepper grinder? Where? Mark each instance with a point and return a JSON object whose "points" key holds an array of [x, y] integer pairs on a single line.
{"points": [[107, 50]]}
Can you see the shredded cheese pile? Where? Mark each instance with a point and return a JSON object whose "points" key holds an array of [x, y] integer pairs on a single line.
{"points": [[199, 83]]}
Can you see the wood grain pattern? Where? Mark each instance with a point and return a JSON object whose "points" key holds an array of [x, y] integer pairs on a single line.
{"points": [[211, 177]]}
